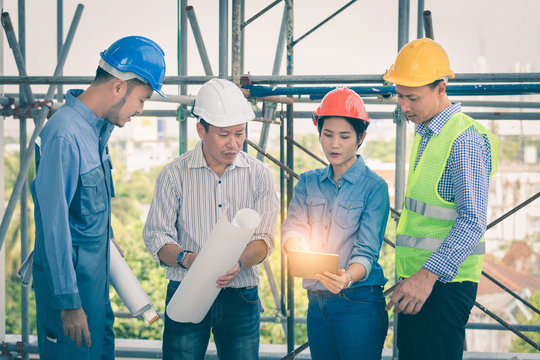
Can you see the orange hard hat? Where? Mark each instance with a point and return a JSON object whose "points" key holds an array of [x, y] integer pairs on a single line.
{"points": [[341, 102]]}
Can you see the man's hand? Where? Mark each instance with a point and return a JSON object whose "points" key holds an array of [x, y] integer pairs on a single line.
{"points": [[334, 283], [411, 294], [74, 323], [118, 247], [226, 279]]}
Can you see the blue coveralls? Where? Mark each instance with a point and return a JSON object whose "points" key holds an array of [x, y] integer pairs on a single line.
{"points": [[72, 193]]}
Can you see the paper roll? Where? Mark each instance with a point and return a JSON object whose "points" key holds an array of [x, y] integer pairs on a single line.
{"points": [[129, 289], [198, 290]]}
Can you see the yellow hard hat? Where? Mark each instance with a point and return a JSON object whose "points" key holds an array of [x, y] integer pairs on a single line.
{"points": [[419, 63]]}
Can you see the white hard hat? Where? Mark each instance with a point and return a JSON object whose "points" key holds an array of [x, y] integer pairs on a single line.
{"points": [[221, 103]]}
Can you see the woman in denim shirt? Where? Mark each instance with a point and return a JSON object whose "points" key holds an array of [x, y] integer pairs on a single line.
{"points": [[342, 209]]}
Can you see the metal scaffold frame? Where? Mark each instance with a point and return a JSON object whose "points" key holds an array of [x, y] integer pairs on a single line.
{"points": [[260, 89]]}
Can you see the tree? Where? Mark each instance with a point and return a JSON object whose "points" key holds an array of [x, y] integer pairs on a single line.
{"points": [[519, 345]]}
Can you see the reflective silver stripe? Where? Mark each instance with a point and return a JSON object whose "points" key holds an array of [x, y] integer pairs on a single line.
{"points": [[432, 211], [432, 244]]}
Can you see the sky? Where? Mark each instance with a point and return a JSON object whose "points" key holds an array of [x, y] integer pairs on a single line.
{"points": [[479, 36]]}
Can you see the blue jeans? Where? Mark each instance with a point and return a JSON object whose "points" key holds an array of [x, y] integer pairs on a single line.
{"points": [[348, 325], [234, 320]]}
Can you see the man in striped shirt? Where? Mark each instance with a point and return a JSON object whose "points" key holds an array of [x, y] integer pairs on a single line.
{"points": [[214, 179], [440, 243]]}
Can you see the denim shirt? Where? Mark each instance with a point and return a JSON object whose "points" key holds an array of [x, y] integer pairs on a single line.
{"points": [[348, 220], [72, 192]]}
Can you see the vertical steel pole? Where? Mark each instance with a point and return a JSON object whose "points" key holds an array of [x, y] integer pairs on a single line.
{"points": [[236, 42], [282, 217], [401, 134], [59, 41], [420, 20], [290, 163], [2, 189], [223, 38], [280, 44], [182, 70], [25, 321], [242, 19]]}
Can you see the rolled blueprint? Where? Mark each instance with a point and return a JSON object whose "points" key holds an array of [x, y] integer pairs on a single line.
{"points": [[129, 288], [198, 290]]}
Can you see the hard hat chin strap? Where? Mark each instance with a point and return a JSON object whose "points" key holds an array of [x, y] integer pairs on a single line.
{"points": [[122, 75]]}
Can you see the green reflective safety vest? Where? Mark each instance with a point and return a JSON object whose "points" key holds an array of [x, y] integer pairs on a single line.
{"points": [[427, 218]]}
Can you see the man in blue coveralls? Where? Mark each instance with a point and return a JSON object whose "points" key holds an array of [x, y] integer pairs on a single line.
{"points": [[72, 193]]}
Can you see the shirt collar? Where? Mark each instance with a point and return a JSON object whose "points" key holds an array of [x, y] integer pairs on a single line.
{"points": [[100, 125], [438, 122], [351, 175], [198, 160]]}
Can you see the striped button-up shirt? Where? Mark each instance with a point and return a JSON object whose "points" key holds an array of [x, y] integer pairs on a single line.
{"points": [[189, 199], [465, 182]]}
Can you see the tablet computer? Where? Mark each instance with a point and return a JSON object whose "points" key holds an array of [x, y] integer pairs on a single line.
{"points": [[306, 264]]}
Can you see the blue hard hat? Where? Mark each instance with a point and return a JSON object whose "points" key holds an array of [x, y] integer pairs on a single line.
{"points": [[140, 56]]}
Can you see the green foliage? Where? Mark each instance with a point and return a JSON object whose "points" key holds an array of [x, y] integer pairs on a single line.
{"points": [[519, 345], [385, 150]]}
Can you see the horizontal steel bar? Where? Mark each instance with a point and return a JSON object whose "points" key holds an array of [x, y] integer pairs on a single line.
{"points": [[387, 90], [284, 79]]}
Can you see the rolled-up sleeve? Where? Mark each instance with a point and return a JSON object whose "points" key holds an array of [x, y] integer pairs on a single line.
{"points": [[372, 228], [266, 203], [55, 186], [159, 228]]}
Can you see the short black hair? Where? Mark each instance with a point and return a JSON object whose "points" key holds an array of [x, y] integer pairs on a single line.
{"points": [[102, 76], [434, 84], [204, 124], [358, 125]]}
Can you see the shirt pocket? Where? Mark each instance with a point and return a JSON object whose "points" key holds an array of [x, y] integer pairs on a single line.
{"points": [[315, 208], [93, 192], [348, 213]]}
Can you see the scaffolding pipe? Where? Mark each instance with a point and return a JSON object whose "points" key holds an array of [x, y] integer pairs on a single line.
{"points": [[280, 43], [273, 159], [388, 91], [29, 153], [242, 17], [182, 72], [251, 19], [223, 38], [59, 42], [282, 79], [236, 42], [306, 150], [428, 24], [420, 20], [17, 54], [190, 12], [322, 22], [26, 94], [511, 212], [377, 115], [282, 262], [508, 326], [289, 4]]}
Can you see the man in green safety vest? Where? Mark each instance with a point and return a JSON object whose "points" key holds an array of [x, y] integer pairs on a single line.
{"points": [[440, 243]]}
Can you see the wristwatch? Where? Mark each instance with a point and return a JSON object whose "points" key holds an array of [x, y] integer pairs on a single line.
{"points": [[180, 258], [350, 279]]}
